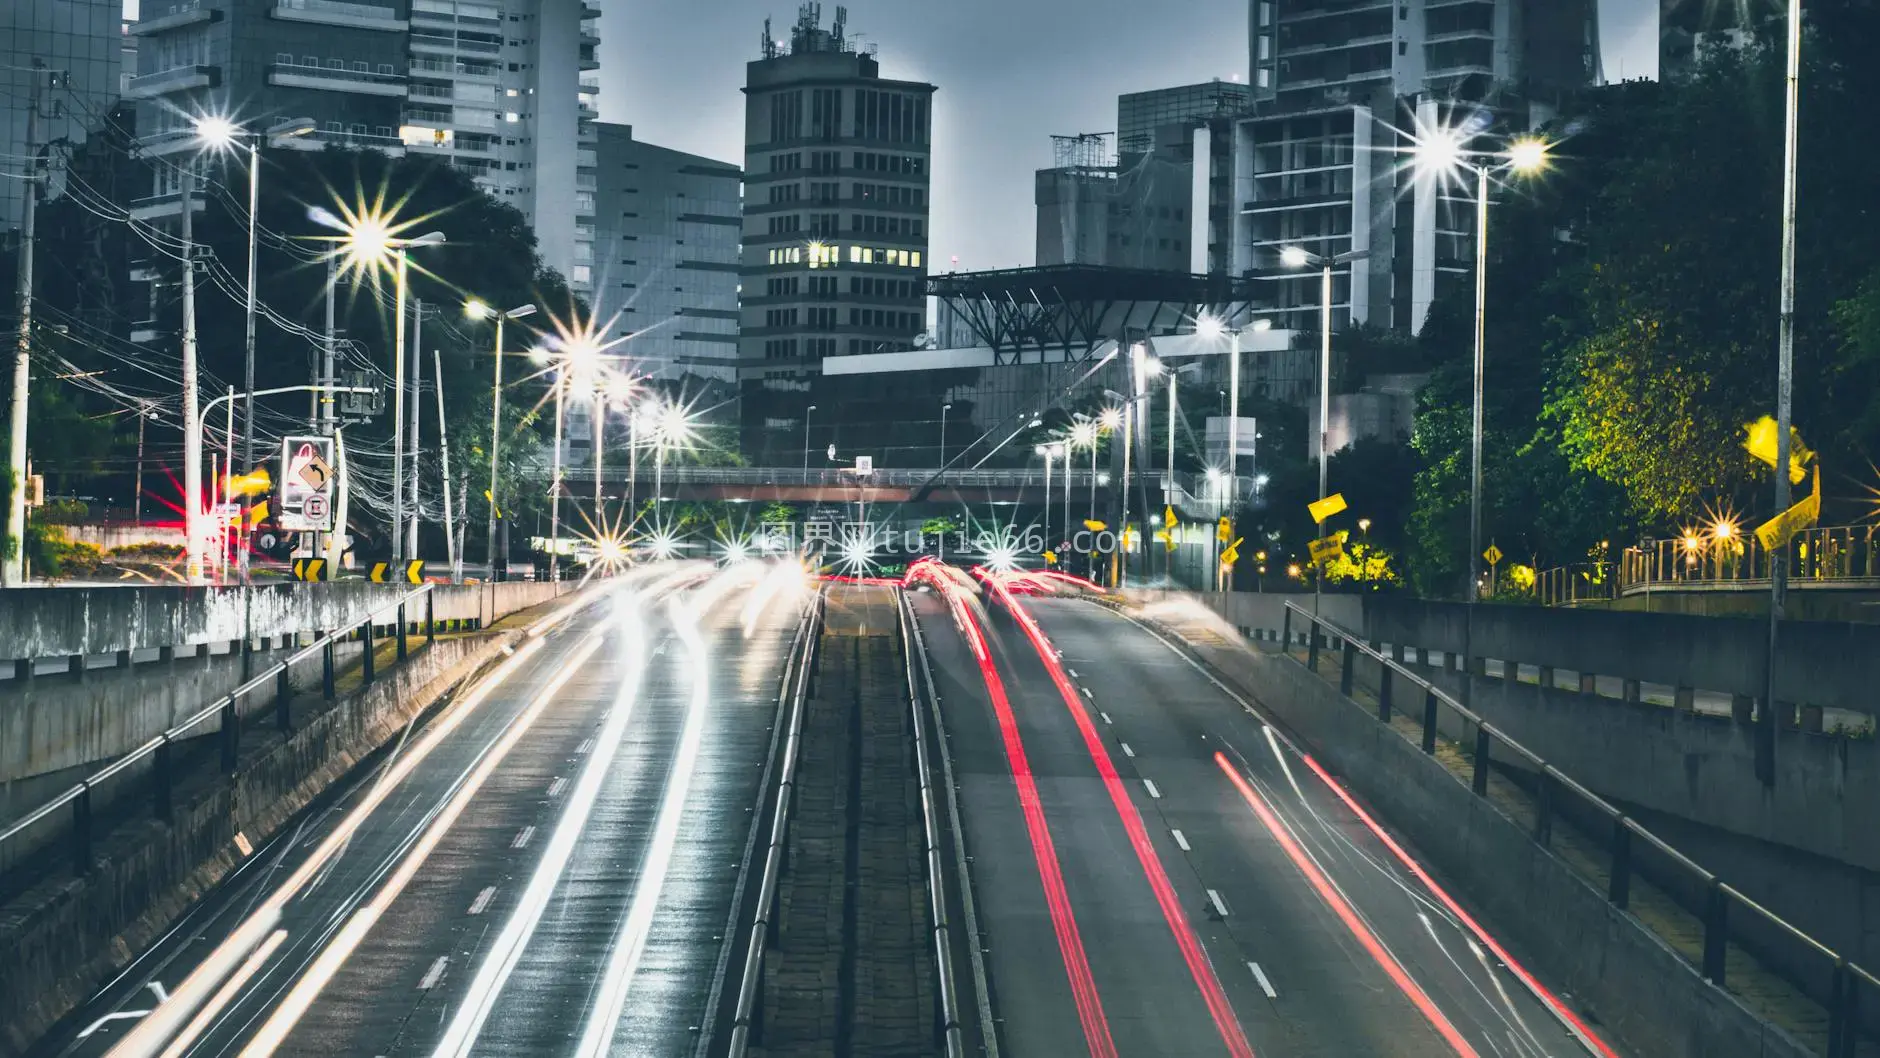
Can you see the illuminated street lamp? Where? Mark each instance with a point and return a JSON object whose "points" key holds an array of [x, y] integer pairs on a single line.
{"points": [[1214, 327], [1441, 153], [480, 310]]}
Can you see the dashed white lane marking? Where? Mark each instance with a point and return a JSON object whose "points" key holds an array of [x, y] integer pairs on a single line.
{"points": [[586, 744], [1214, 897], [1073, 673], [1260, 976], [1153, 792], [1105, 716], [430, 976], [483, 900], [1127, 752], [1086, 691], [555, 788], [522, 839], [1180, 840]]}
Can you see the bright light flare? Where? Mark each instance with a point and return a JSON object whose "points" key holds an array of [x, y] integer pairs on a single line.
{"points": [[1528, 154], [1210, 327], [216, 131], [1002, 559], [477, 309], [1084, 435], [662, 545], [1295, 257], [1111, 419]]}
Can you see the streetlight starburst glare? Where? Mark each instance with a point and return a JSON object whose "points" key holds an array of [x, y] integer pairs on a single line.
{"points": [[1528, 154]]}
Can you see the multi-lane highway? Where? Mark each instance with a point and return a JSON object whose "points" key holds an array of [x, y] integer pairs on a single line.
{"points": [[548, 867], [559, 861], [1160, 872]]}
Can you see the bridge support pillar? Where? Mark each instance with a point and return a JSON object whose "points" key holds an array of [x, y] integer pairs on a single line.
{"points": [[1684, 700], [1546, 676], [1811, 719], [1588, 683], [1628, 690]]}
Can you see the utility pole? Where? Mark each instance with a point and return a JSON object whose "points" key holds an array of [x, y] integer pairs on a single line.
{"points": [[443, 448], [192, 424], [137, 484], [329, 419], [12, 571], [417, 391], [398, 414], [1785, 385]]}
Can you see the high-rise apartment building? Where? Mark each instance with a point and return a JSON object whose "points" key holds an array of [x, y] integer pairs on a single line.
{"points": [[1319, 165], [836, 182], [1141, 116], [505, 91], [667, 249], [76, 41]]}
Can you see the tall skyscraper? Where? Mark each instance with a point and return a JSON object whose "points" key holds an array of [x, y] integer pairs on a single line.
{"points": [[76, 40], [505, 92], [1317, 166], [836, 178]]}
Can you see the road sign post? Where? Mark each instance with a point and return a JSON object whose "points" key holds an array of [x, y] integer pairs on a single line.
{"points": [[306, 484]]}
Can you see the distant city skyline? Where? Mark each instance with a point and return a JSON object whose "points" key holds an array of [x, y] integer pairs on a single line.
{"points": [[1010, 76]]}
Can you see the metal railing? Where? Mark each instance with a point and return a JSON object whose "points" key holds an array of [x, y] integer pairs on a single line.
{"points": [[1621, 852], [1577, 583], [947, 1028], [1840, 556], [747, 1019], [153, 766]]}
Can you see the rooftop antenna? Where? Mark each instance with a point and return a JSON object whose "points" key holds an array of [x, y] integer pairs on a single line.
{"points": [[770, 42], [842, 21]]}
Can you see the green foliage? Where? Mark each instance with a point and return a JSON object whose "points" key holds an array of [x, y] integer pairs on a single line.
{"points": [[1363, 564], [777, 513], [940, 526]]}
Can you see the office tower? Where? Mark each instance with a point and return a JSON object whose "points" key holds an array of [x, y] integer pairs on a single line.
{"points": [[667, 248], [79, 42], [836, 175]]}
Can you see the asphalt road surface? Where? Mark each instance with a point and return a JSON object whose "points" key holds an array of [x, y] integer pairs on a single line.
{"points": [[1214, 894], [547, 867]]}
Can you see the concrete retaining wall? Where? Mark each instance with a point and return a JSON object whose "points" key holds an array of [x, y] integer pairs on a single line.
{"points": [[1640, 990], [69, 622], [1821, 663], [64, 940]]}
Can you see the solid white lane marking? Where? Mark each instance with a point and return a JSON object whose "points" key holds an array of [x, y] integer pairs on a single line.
{"points": [[1260, 976], [1105, 716], [436, 971], [1180, 840], [522, 839], [1127, 752], [1273, 741], [122, 1015], [483, 899], [1214, 897], [555, 788], [1153, 792]]}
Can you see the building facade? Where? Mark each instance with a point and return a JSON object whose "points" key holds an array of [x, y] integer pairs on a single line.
{"points": [[667, 252], [505, 92], [1322, 165], [78, 45], [836, 196], [1687, 27]]}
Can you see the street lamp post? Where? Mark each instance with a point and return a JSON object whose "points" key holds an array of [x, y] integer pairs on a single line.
{"points": [[1443, 152], [944, 408], [1299, 257], [1214, 325], [477, 310], [1046, 452], [1785, 382]]}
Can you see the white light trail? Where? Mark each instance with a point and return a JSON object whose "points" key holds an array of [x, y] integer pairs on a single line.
{"points": [[501, 959], [624, 959], [333, 957]]}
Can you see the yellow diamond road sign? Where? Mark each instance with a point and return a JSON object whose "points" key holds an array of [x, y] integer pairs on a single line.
{"points": [[1327, 507], [1493, 555], [1224, 530]]}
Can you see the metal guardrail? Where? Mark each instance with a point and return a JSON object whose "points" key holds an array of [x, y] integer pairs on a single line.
{"points": [[946, 997], [154, 762], [1577, 583], [1816, 971], [747, 1018], [1839, 556]]}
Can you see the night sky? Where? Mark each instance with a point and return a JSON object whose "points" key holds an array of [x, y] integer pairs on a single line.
{"points": [[1011, 74]]}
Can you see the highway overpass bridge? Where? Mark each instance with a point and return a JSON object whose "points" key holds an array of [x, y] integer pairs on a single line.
{"points": [[1192, 497]]}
